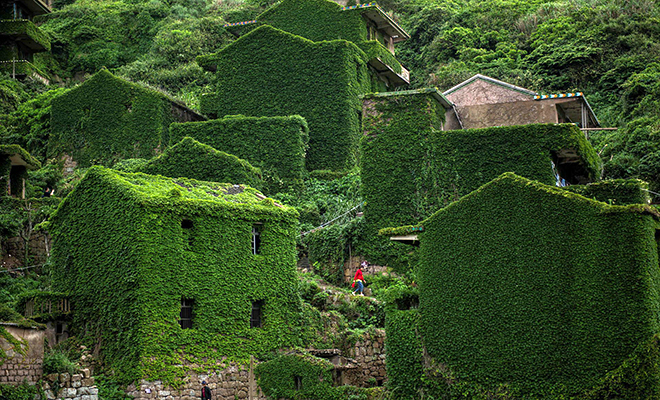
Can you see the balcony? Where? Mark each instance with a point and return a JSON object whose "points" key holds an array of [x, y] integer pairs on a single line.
{"points": [[38, 7], [388, 72], [26, 32], [21, 69]]}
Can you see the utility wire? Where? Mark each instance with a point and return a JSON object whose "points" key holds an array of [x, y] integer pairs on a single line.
{"points": [[323, 225], [21, 269]]}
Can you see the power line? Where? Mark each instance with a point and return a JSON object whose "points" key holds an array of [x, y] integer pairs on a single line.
{"points": [[21, 269], [323, 225]]}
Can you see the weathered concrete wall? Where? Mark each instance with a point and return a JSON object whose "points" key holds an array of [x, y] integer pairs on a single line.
{"points": [[227, 383], [506, 114], [18, 367], [483, 92], [451, 121]]}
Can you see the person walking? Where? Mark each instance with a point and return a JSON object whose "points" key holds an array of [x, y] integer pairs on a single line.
{"points": [[206, 391], [358, 281]]}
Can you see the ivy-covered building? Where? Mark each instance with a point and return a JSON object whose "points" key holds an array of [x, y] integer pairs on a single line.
{"points": [[530, 290], [412, 167], [192, 159], [166, 274], [20, 38], [326, 58], [482, 102], [107, 118], [276, 145]]}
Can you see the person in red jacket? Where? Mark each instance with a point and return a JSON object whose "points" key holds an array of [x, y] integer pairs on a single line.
{"points": [[359, 280]]}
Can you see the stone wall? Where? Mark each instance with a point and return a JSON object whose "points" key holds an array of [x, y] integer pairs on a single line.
{"points": [[484, 92], [13, 250], [65, 386], [369, 355], [226, 383], [18, 367]]}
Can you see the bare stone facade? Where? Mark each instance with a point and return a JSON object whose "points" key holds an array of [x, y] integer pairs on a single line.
{"points": [[480, 91], [13, 250], [228, 383], [24, 365], [369, 355], [65, 386]]}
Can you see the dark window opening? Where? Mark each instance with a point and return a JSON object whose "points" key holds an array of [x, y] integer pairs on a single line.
{"points": [[257, 313], [186, 315], [59, 328], [256, 238], [297, 382], [336, 378], [187, 226], [379, 382]]}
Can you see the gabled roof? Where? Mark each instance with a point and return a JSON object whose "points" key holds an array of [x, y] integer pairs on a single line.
{"points": [[518, 183], [158, 189], [19, 156], [256, 38], [489, 80], [105, 77]]}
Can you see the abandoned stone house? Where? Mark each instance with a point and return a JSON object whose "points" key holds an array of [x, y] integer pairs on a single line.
{"points": [[155, 263], [20, 38], [482, 102]]}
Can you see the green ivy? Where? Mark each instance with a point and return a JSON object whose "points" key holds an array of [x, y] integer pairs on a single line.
{"points": [[24, 27], [321, 81], [127, 257], [277, 145], [192, 159], [537, 288], [404, 354], [616, 191], [411, 168], [107, 118]]}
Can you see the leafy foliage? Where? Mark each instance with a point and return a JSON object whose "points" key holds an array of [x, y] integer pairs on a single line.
{"points": [[541, 316], [107, 118], [277, 145], [128, 275], [192, 159], [255, 78]]}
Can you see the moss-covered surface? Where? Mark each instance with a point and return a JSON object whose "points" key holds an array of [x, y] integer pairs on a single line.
{"points": [[192, 159], [321, 81], [130, 247], [616, 191], [537, 288], [106, 119], [24, 27], [277, 145], [411, 168]]}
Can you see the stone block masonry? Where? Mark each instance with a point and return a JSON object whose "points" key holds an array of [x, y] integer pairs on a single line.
{"points": [[369, 354], [228, 382], [78, 386], [24, 364]]}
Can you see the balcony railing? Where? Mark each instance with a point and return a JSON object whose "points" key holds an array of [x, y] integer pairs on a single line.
{"points": [[25, 31], [22, 69]]}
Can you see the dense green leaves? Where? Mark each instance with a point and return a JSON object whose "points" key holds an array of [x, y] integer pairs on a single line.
{"points": [[537, 288], [107, 118], [321, 81], [127, 257]]}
